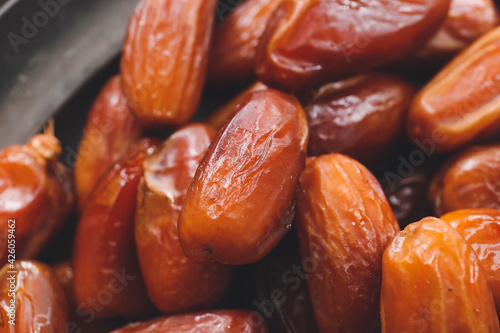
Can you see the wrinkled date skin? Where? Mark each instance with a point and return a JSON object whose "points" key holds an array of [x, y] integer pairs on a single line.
{"points": [[407, 195], [110, 131], [174, 282], [471, 180], [36, 195], [282, 288], [164, 60], [40, 303], [361, 117], [344, 223], [313, 42], [432, 282], [238, 206], [461, 105], [220, 321], [220, 116], [236, 38], [481, 229], [467, 20], [105, 255]]}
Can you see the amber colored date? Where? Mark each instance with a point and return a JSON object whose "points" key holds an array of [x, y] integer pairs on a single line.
{"points": [[174, 283], [432, 282], [471, 180], [238, 206], [362, 117], [220, 321], [40, 305], [344, 223], [36, 195], [313, 42], [460, 104], [481, 229], [467, 20], [164, 60], [105, 260], [110, 130], [235, 41], [220, 116]]}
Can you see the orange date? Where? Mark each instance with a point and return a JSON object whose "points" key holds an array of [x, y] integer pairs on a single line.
{"points": [[235, 41], [481, 229], [36, 195], [238, 206], [220, 116], [467, 20], [40, 305], [470, 180], [105, 262], [344, 223], [432, 282], [174, 282], [165, 57], [459, 105], [110, 130], [220, 321]]}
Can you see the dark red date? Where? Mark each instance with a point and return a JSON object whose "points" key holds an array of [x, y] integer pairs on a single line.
{"points": [[312, 42], [362, 117]]}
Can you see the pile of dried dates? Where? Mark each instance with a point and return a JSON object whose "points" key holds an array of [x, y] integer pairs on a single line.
{"points": [[349, 180]]}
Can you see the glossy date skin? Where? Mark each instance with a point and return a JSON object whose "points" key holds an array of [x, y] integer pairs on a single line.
{"points": [[164, 60], [35, 191], [174, 283], [220, 321], [220, 116], [110, 130], [361, 117], [460, 104], [471, 180], [467, 20], [41, 305], [238, 206], [344, 223], [481, 229], [232, 59], [313, 42], [432, 282], [105, 259]]}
